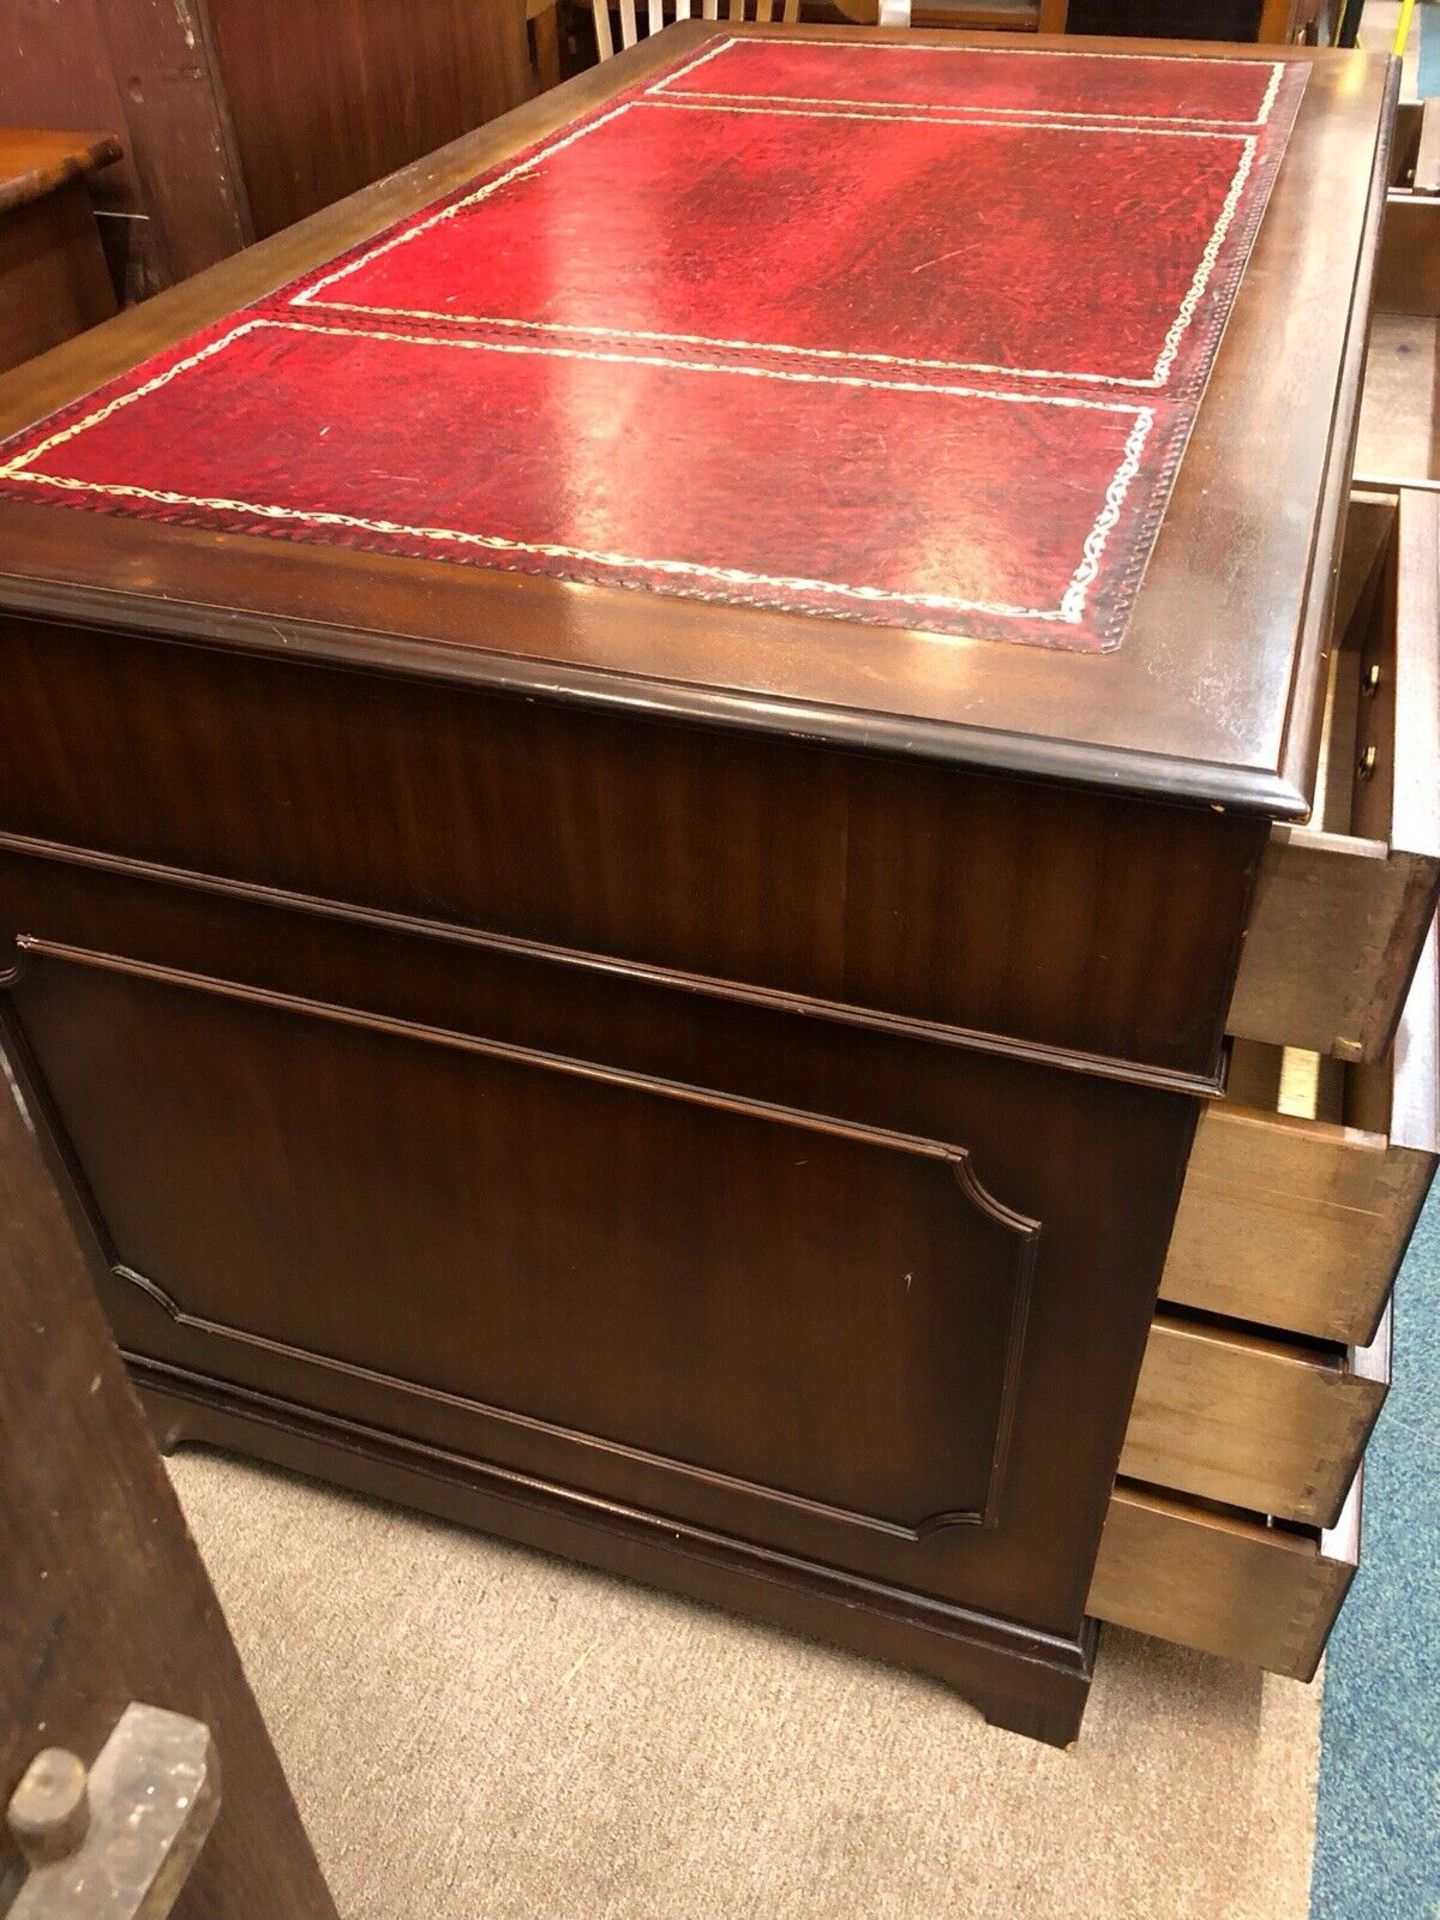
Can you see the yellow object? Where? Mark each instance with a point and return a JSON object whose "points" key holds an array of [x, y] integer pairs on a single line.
{"points": [[1402, 32]]}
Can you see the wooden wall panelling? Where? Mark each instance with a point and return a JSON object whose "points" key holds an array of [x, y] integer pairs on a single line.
{"points": [[242, 116], [328, 95], [56, 73], [179, 130], [143, 71]]}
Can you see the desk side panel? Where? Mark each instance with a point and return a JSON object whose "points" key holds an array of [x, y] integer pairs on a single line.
{"points": [[872, 1302]]}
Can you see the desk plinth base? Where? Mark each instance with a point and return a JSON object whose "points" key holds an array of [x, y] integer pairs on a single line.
{"points": [[1027, 1682]]}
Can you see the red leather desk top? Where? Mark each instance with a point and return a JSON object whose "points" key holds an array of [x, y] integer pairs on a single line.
{"points": [[909, 334]]}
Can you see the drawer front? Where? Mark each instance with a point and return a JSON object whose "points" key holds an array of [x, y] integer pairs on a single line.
{"points": [[1224, 1582], [1252, 1421], [1301, 1224], [1343, 905]]}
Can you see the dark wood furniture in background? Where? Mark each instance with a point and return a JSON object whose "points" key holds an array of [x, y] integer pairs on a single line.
{"points": [[242, 116], [53, 279], [706, 1090], [1272, 22]]}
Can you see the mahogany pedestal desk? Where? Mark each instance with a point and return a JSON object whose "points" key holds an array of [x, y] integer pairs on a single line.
{"points": [[633, 773]]}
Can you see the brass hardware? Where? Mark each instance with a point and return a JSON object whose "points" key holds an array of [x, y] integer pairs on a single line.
{"points": [[1366, 765], [118, 1842], [1371, 682]]}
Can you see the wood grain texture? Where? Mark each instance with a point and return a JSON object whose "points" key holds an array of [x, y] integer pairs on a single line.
{"points": [[387, 1250], [99, 63], [737, 857], [1253, 1421], [107, 1599], [37, 160], [1425, 177], [179, 130], [638, 1298], [1399, 438], [53, 279], [239, 119], [1222, 1582], [1399, 443], [326, 96], [398, 1230]]}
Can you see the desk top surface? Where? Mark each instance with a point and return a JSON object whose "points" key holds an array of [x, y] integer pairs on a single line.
{"points": [[842, 383]]}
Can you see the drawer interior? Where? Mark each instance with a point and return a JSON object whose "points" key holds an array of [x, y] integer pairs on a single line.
{"points": [[1399, 441], [1415, 128], [1352, 1104], [1344, 902], [1301, 1085], [1355, 771]]}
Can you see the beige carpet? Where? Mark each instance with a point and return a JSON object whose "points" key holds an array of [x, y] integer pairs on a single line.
{"points": [[479, 1733]]}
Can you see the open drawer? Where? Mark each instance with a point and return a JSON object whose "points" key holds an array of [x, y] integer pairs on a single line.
{"points": [[1343, 904], [1399, 436], [1238, 1416], [1224, 1581], [1299, 1219]]}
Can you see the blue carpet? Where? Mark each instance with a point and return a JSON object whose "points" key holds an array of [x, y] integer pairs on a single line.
{"points": [[1427, 82], [1377, 1849], [1377, 1843]]}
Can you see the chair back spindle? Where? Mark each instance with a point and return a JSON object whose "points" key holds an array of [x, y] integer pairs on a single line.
{"points": [[783, 10]]}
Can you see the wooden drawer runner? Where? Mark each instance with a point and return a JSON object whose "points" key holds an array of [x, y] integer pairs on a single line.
{"points": [[1237, 1416], [1301, 1223], [1224, 1581], [1342, 905]]}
